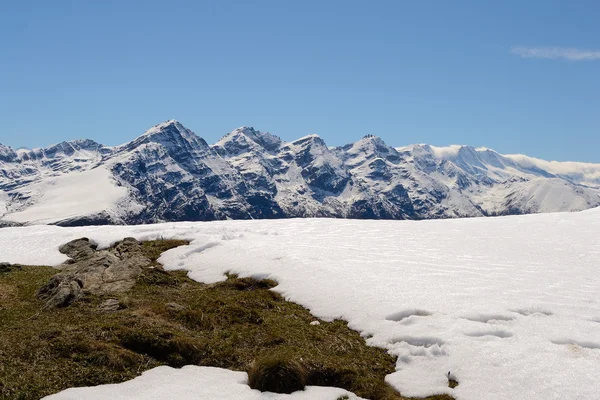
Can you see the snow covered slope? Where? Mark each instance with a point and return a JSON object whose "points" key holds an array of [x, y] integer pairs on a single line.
{"points": [[508, 305], [61, 198], [170, 174]]}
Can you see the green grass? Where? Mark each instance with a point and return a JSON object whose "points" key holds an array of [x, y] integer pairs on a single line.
{"points": [[234, 324]]}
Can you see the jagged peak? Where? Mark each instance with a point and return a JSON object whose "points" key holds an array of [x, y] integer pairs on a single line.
{"points": [[76, 144], [170, 133], [371, 139], [250, 131], [65, 148], [368, 144], [7, 153], [163, 126], [246, 130], [245, 133], [242, 131]]}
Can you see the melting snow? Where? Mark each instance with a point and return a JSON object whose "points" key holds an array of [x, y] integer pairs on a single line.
{"points": [[195, 383], [509, 305]]}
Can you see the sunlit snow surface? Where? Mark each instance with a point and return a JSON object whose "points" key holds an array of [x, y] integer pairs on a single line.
{"points": [[72, 195], [509, 305], [193, 383]]}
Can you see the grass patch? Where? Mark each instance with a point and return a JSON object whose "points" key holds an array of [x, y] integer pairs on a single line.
{"points": [[279, 373], [168, 319], [154, 248]]}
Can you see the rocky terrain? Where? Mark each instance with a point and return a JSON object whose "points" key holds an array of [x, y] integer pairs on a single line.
{"points": [[102, 272], [171, 174], [109, 315]]}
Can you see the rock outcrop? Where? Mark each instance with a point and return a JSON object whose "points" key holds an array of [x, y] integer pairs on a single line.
{"points": [[93, 271]]}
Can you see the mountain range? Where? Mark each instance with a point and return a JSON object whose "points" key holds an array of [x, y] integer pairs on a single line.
{"points": [[171, 174]]}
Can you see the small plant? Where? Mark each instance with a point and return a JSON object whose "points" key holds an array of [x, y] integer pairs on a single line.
{"points": [[154, 249], [452, 382]]}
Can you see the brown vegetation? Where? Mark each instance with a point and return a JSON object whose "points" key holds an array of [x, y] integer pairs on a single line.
{"points": [[168, 319]]}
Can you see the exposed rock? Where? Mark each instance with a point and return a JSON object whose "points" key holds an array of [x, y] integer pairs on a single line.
{"points": [[78, 249], [114, 270], [61, 291], [8, 224], [109, 305], [7, 267]]}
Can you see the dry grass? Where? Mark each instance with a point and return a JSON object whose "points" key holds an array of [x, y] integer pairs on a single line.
{"points": [[278, 373], [234, 324]]}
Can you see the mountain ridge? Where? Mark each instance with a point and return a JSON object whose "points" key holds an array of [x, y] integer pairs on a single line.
{"points": [[171, 174]]}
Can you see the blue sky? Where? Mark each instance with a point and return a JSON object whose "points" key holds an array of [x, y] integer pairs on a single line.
{"points": [[515, 76]]}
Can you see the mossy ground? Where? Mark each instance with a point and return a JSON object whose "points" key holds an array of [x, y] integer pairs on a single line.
{"points": [[229, 325]]}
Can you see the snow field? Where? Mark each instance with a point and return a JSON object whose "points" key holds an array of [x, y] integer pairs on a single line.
{"points": [[71, 195], [508, 305]]}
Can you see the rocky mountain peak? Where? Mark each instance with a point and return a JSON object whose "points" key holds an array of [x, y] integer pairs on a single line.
{"points": [[368, 148], [170, 134], [246, 139], [170, 174], [84, 148], [7, 154]]}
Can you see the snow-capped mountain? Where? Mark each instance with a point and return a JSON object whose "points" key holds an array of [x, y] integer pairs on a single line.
{"points": [[171, 174]]}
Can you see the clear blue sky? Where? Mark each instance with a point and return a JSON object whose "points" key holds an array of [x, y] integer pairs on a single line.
{"points": [[515, 76]]}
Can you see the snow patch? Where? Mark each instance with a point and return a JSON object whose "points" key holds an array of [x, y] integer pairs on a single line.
{"points": [[67, 196], [193, 383]]}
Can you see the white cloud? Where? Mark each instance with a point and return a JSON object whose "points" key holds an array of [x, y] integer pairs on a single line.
{"points": [[553, 53]]}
